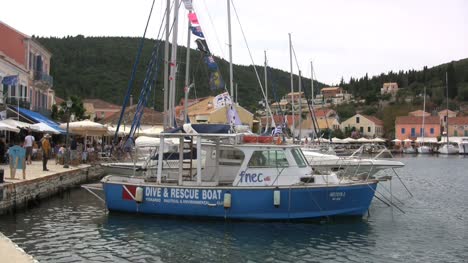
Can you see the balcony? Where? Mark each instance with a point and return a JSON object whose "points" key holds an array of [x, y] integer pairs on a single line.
{"points": [[21, 102], [43, 80]]}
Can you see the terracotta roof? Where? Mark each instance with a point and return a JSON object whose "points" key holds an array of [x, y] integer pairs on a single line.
{"points": [[321, 112], [417, 120], [458, 121], [390, 84], [373, 119], [150, 117], [279, 119], [58, 100], [100, 104]]}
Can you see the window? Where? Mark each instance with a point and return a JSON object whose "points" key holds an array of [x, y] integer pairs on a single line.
{"points": [[231, 157], [368, 129], [299, 158], [432, 131], [403, 130], [357, 119], [455, 133], [413, 132], [268, 158], [466, 133], [421, 132], [361, 129]]}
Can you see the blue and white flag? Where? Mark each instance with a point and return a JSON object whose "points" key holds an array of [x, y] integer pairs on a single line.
{"points": [[196, 30], [277, 130], [10, 80]]}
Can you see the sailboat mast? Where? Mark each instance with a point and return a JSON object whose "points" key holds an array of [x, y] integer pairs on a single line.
{"points": [[173, 64], [447, 122], [292, 85], [231, 85], [300, 106], [266, 91], [424, 115], [187, 73], [166, 65], [312, 83]]}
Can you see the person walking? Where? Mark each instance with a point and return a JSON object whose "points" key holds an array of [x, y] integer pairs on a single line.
{"points": [[28, 144], [45, 151]]}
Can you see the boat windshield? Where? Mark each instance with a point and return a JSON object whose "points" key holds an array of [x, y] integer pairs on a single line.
{"points": [[268, 158], [299, 158]]}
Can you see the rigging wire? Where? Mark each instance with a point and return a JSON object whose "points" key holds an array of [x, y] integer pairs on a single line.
{"points": [[253, 64], [214, 29], [132, 78]]}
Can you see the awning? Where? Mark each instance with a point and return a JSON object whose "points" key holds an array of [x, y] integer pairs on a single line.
{"points": [[38, 118]]}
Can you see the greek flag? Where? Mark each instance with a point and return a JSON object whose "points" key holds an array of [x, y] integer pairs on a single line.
{"points": [[277, 130], [10, 80]]}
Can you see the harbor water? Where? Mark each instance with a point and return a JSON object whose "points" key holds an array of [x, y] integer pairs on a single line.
{"points": [[75, 227]]}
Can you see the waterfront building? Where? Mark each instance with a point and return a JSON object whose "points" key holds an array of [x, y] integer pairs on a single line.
{"points": [[150, 118], [206, 111], [410, 127], [100, 109], [368, 126], [22, 56], [458, 126]]}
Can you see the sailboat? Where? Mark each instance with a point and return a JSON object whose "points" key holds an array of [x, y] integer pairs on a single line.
{"points": [[447, 148], [239, 180], [424, 149]]}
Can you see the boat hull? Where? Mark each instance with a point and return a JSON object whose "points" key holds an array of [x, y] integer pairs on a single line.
{"points": [[253, 203]]}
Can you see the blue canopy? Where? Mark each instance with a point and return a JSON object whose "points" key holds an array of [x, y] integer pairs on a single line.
{"points": [[37, 117]]}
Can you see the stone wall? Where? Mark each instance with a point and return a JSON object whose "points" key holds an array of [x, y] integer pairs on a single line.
{"points": [[19, 194]]}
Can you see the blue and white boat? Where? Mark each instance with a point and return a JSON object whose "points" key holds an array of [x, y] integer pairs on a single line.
{"points": [[237, 180]]}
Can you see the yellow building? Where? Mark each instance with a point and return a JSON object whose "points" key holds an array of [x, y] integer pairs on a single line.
{"points": [[367, 126], [207, 111]]}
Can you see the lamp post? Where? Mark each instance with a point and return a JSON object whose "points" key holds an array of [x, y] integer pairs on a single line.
{"points": [[67, 146]]}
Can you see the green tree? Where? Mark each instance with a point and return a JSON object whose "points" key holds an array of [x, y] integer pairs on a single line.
{"points": [[451, 78], [76, 109]]}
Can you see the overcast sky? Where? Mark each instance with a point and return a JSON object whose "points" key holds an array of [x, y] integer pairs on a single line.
{"points": [[343, 38]]}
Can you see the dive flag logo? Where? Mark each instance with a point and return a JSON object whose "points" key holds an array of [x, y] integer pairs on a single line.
{"points": [[128, 192]]}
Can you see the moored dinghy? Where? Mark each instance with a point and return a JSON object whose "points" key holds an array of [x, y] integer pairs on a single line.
{"points": [[240, 181]]}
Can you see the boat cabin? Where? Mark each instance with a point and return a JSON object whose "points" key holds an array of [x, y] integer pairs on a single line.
{"points": [[227, 160]]}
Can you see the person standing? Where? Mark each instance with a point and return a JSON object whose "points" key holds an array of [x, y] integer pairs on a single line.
{"points": [[45, 151], [28, 144], [2, 149]]}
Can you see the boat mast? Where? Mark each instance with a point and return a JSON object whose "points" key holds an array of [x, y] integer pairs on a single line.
{"points": [[231, 86], [266, 91], [424, 115], [187, 69], [447, 122], [166, 65], [173, 64], [312, 83], [300, 106], [292, 85]]}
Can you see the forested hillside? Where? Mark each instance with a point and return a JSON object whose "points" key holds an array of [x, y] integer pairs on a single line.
{"points": [[412, 82], [100, 67]]}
